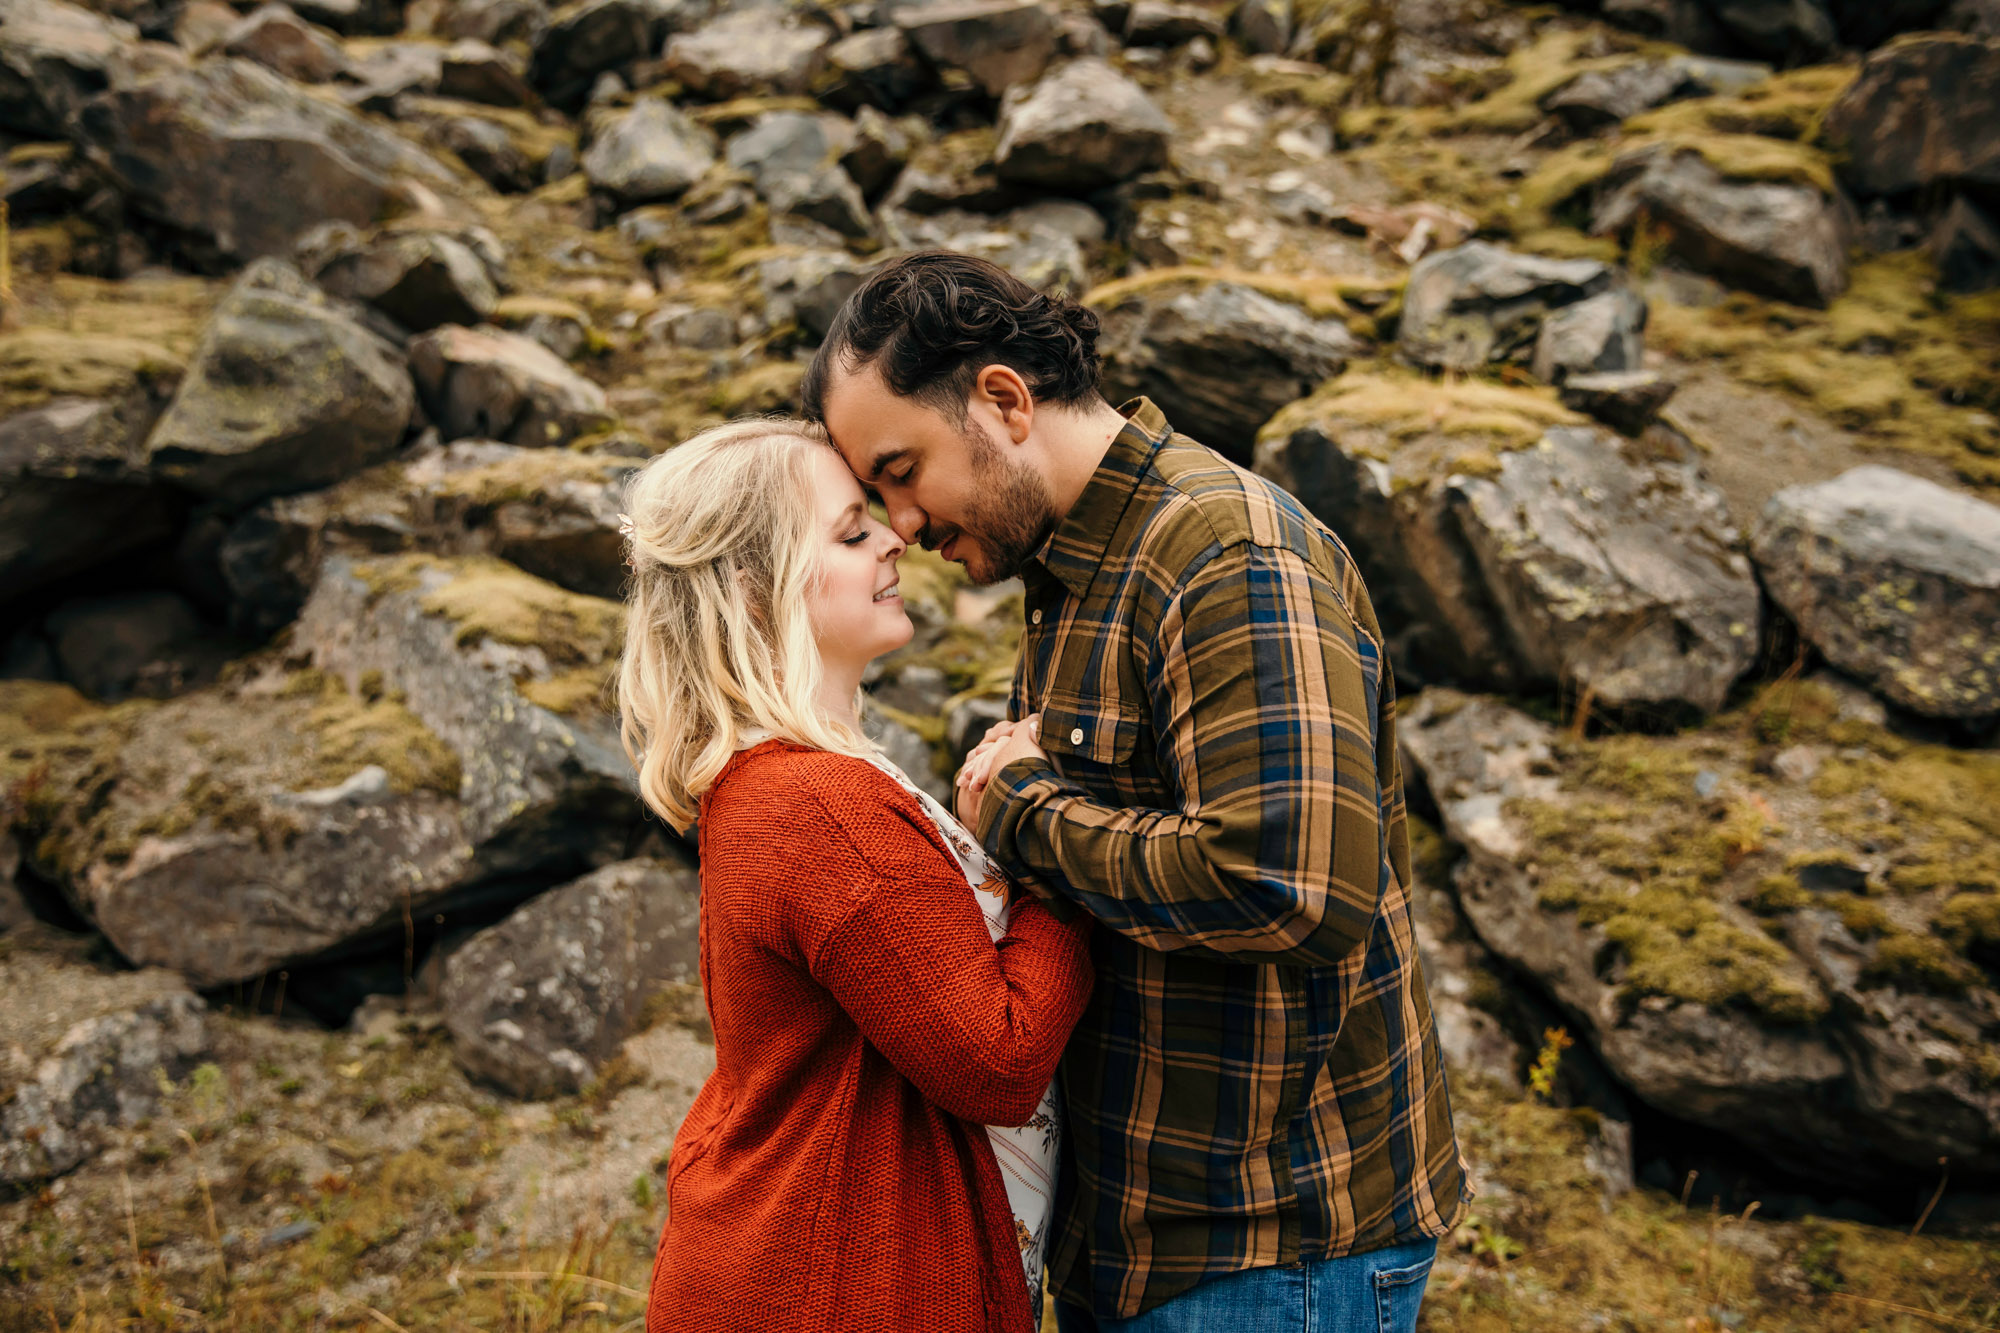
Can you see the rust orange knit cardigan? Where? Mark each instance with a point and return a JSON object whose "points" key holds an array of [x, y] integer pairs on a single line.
{"points": [[834, 1172]]}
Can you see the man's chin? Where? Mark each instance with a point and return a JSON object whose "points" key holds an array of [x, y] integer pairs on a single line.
{"points": [[983, 571]]}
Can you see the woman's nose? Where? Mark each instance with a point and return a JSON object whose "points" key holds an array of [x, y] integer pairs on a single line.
{"points": [[895, 545]]}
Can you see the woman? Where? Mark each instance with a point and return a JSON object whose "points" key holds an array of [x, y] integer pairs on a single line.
{"points": [[877, 1000]]}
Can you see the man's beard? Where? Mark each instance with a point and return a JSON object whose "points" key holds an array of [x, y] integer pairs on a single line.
{"points": [[1010, 520]]}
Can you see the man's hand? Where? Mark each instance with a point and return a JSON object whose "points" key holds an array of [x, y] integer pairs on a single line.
{"points": [[1004, 743]]}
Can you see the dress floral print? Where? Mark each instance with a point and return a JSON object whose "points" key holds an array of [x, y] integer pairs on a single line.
{"points": [[1026, 1154]]}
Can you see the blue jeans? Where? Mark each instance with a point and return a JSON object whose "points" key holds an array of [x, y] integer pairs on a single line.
{"points": [[1376, 1292]]}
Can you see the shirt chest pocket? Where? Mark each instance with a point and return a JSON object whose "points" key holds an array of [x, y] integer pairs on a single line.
{"points": [[1096, 742]]}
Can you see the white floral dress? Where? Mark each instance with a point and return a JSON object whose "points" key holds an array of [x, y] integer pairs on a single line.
{"points": [[1027, 1154]]}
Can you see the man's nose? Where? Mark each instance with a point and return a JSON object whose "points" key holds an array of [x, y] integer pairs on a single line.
{"points": [[906, 518]]}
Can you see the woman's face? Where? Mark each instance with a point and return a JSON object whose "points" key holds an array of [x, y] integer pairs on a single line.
{"points": [[857, 614]]}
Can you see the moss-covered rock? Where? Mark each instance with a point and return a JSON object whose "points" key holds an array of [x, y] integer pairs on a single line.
{"points": [[466, 641], [240, 827], [552, 512], [1801, 962], [1506, 541], [288, 390], [1892, 578], [1894, 359]]}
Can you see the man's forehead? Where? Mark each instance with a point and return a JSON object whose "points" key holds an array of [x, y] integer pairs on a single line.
{"points": [[860, 409]]}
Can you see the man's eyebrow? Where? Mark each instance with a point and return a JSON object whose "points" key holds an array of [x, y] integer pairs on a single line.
{"points": [[883, 460]]}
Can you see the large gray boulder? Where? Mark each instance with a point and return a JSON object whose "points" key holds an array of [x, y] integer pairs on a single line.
{"points": [[1966, 245], [84, 1053], [1794, 31], [1600, 334], [380, 74], [536, 1003], [250, 825], [479, 72], [74, 490], [552, 512], [53, 57], [1170, 23], [1920, 115], [1042, 244], [198, 148], [286, 391], [1767, 988], [808, 287], [1082, 127], [447, 749], [780, 143], [652, 152], [488, 384], [1218, 358], [1781, 238], [1000, 43], [1613, 573], [874, 67], [278, 39], [1559, 556], [1896, 581], [1479, 303], [825, 195], [508, 670], [1598, 99], [419, 278], [750, 51], [584, 40]]}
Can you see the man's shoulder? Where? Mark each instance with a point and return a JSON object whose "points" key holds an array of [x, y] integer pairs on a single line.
{"points": [[1201, 504]]}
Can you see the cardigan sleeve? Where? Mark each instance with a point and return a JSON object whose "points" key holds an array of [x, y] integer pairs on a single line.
{"points": [[977, 1025]]}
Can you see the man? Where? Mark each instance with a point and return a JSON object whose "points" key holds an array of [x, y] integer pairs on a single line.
{"points": [[1257, 1114]]}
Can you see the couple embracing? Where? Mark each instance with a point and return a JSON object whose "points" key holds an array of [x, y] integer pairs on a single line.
{"points": [[1143, 1009]]}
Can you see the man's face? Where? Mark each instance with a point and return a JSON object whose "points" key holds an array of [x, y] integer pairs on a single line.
{"points": [[952, 489]]}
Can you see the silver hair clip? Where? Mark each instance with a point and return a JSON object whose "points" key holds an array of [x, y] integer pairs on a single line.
{"points": [[624, 525]]}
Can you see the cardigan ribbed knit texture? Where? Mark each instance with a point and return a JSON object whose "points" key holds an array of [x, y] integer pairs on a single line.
{"points": [[834, 1172]]}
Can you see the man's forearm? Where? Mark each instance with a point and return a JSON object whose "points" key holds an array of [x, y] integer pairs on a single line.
{"points": [[1173, 881]]}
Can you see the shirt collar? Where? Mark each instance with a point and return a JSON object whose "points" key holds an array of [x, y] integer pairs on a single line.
{"points": [[1075, 550]]}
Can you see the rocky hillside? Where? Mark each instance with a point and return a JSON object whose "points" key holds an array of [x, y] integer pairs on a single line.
{"points": [[1648, 358]]}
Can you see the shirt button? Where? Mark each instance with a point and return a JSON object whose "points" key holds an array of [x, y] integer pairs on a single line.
{"points": [[1035, 616], [1076, 736]]}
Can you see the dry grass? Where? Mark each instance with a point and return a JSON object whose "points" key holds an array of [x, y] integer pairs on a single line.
{"points": [[1544, 1252], [402, 1237]]}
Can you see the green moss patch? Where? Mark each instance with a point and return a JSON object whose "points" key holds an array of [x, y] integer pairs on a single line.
{"points": [[1321, 294], [1894, 359], [1679, 880], [487, 598], [532, 476], [1789, 105], [1402, 406], [37, 365], [347, 733]]}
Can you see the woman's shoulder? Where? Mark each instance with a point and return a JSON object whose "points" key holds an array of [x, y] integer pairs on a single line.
{"points": [[790, 792]]}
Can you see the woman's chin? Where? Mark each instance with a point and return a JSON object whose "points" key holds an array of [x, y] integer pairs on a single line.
{"points": [[895, 634]]}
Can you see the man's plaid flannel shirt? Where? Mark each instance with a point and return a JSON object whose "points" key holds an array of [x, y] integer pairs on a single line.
{"points": [[1256, 1081]]}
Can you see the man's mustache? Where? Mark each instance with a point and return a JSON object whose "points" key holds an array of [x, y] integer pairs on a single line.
{"points": [[930, 537]]}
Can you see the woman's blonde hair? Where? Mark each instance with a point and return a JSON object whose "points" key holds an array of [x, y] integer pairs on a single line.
{"points": [[724, 547]]}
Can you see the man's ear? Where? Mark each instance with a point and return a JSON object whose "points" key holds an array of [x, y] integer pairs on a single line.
{"points": [[1001, 390]]}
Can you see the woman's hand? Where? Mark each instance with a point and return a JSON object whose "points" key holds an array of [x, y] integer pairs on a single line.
{"points": [[1004, 743]]}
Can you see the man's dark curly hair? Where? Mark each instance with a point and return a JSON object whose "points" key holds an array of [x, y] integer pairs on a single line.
{"points": [[932, 320]]}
